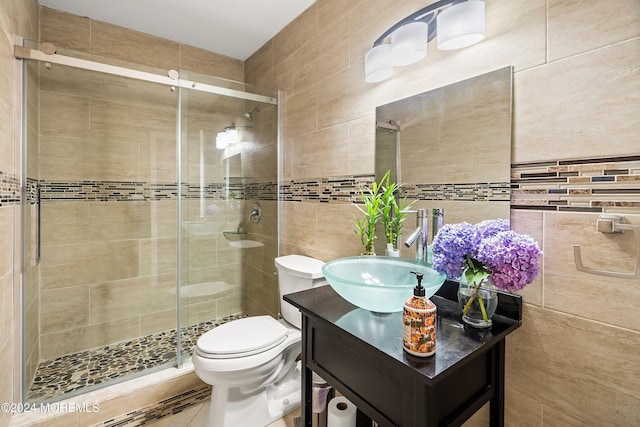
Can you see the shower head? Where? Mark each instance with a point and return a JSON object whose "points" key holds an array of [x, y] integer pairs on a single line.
{"points": [[249, 114]]}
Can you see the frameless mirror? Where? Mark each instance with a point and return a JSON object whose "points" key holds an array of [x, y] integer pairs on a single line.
{"points": [[451, 147]]}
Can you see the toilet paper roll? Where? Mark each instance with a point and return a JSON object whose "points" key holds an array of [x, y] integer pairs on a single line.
{"points": [[341, 413]]}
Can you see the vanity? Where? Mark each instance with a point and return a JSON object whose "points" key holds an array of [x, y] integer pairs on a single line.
{"points": [[360, 354]]}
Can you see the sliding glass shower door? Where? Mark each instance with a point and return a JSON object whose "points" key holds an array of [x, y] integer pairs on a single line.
{"points": [[130, 196]]}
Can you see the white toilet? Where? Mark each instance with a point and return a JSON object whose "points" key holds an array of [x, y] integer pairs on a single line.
{"points": [[251, 362]]}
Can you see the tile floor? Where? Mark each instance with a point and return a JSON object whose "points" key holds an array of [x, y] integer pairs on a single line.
{"points": [[196, 415]]}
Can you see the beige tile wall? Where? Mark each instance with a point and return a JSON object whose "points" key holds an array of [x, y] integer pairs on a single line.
{"points": [[576, 95]]}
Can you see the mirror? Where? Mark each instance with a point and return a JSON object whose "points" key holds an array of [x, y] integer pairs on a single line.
{"points": [[451, 148]]}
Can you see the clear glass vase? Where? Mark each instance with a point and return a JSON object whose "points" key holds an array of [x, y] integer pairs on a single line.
{"points": [[478, 302]]}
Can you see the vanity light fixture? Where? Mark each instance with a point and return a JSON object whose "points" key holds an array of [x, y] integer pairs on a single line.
{"points": [[456, 23]]}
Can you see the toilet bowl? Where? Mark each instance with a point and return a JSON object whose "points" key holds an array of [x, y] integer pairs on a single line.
{"points": [[251, 362]]}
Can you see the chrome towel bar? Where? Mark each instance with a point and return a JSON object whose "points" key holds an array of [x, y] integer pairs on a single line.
{"points": [[612, 224]]}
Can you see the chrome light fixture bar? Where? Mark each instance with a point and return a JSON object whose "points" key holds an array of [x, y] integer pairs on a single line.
{"points": [[455, 23]]}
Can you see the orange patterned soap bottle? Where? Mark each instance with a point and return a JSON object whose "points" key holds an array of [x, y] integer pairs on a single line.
{"points": [[419, 323]]}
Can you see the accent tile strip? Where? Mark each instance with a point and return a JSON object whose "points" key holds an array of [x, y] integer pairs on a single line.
{"points": [[579, 185], [9, 189]]}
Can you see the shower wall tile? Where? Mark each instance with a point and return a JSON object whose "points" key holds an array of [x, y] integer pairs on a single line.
{"points": [[205, 62], [65, 29], [545, 361], [226, 254], [157, 159], [6, 308], [55, 317], [158, 255], [79, 339], [580, 26], [130, 122], [132, 46], [263, 164], [119, 221], [7, 67], [576, 107], [85, 263], [6, 133], [121, 299], [7, 234], [161, 320], [64, 115], [67, 222], [73, 159]]}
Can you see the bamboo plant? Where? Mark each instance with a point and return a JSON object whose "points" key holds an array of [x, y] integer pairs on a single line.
{"points": [[393, 211], [381, 203], [371, 209]]}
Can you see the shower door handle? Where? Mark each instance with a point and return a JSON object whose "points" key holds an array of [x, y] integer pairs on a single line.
{"points": [[38, 204]]}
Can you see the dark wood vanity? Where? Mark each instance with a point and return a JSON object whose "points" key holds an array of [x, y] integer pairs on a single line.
{"points": [[360, 354]]}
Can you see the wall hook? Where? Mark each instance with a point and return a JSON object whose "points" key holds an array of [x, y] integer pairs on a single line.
{"points": [[611, 224]]}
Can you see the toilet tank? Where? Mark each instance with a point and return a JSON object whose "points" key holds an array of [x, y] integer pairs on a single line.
{"points": [[297, 273]]}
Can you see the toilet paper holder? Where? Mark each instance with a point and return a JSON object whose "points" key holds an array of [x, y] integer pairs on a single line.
{"points": [[611, 224]]}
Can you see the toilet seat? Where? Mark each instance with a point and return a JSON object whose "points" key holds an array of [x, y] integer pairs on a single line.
{"points": [[242, 337]]}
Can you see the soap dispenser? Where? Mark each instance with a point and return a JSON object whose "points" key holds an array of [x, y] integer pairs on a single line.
{"points": [[419, 322]]}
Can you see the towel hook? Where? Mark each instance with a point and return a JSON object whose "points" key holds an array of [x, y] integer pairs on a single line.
{"points": [[611, 224]]}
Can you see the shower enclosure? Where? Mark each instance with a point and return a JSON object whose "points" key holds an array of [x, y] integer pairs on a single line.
{"points": [[149, 216]]}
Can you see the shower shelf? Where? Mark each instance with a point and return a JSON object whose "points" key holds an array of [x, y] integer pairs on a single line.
{"points": [[235, 235]]}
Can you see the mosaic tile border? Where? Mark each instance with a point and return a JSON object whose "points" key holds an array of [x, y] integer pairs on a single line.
{"points": [[152, 413], [578, 185], [342, 189], [345, 190], [477, 192], [9, 189], [58, 377]]}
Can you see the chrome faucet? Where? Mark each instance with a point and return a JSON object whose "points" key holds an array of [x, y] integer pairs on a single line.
{"points": [[419, 236], [437, 218]]}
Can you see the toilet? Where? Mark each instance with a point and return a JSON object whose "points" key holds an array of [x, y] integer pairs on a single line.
{"points": [[252, 362]]}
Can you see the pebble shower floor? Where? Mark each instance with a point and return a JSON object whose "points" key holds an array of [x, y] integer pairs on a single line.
{"points": [[100, 365]]}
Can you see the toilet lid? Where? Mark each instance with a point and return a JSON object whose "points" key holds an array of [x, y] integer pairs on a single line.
{"points": [[242, 337]]}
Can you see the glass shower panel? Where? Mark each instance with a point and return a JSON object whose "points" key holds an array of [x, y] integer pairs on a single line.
{"points": [[108, 201], [220, 165]]}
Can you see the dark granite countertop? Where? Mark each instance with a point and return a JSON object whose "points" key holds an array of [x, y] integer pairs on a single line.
{"points": [[456, 341]]}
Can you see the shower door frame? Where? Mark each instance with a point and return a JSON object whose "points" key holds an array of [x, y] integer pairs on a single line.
{"points": [[172, 80]]}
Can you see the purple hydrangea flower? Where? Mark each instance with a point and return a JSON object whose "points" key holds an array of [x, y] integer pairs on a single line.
{"points": [[450, 246], [512, 259], [491, 227]]}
